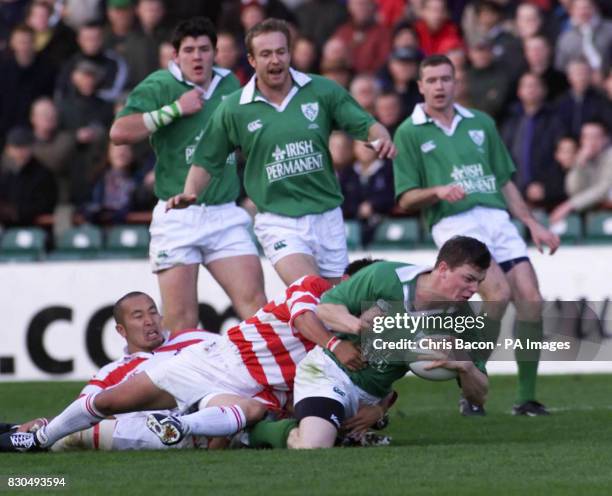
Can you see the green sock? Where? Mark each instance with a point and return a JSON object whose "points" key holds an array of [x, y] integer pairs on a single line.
{"points": [[271, 434], [527, 360]]}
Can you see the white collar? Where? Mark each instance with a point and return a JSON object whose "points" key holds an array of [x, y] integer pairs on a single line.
{"points": [[218, 74], [248, 92], [419, 117]]}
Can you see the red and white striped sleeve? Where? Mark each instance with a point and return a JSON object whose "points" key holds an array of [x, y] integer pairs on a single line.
{"points": [[113, 373], [304, 295]]}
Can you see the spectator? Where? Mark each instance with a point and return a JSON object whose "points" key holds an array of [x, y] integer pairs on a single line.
{"points": [[319, 27], [113, 194], [142, 43], [506, 48], [365, 89], [530, 135], [80, 12], [229, 56], [341, 150], [589, 180], [565, 154], [53, 147], [334, 62], [367, 188], [304, 54], [435, 31], [589, 36], [489, 85], [89, 117], [582, 102], [120, 16], [528, 21], [113, 67], [27, 189], [538, 55], [24, 78], [54, 43], [404, 36], [368, 41], [165, 55], [388, 110], [400, 76]]}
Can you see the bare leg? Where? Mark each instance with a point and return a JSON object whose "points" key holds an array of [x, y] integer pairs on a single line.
{"points": [[296, 265], [313, 432], [179, 292], [241, 278]]}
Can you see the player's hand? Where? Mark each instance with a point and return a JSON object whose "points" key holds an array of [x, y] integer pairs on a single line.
{"points": [[365, 418], [349, 355], [192, 101], [182, 200], [383, 147], [32, 425], [542, 236], [451, 193]]}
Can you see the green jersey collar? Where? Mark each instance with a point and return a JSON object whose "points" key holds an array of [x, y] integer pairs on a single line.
{"points": [[407, 275], [249, 93], [218, 74], [419, 117]]}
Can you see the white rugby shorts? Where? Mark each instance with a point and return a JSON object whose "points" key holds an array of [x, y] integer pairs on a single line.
{"points": [[491, 226], [198, 234], [320, 235], [319, 376], [204, 369]]}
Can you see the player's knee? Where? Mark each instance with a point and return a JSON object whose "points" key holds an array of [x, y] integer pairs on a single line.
{"points": [[254, 411], [105, 403], [181, 318], [500, 293]]}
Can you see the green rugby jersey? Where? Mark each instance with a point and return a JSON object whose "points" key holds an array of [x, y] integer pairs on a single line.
{"points": [[288, 165], [391, 282], [473, 156], [175, 143]]}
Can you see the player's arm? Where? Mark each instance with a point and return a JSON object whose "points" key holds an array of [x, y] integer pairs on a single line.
{"points": [[380, 140], [338, 318], [133, 128], [418, 198], [309, 326], [197, 180], [474, 383], [519, 209]]}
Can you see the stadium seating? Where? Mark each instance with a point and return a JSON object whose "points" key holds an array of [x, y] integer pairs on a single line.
{"points": [[396, 234], [78, 243], [599, 227], [352, 230], [127, 242], [23, 244], [569, 229]]}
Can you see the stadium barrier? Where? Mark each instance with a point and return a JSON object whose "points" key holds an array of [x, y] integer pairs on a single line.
{"points": [[57, 321]]}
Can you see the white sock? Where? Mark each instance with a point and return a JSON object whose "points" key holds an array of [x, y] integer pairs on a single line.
{"points": [[215, 421], [80, 414]]}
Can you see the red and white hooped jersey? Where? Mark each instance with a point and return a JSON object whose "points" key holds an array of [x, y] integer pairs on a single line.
{"points": [[114, 373], [268, 343]]}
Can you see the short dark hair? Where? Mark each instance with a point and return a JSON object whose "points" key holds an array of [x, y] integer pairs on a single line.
{"points": [[357, 265], [434, 61], [22, 28], [118, 306], [596, 122], [194, 27], [270, 25], [461, 250]]}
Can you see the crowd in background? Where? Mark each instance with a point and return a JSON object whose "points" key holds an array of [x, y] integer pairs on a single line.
{"points": [[541, 68]]}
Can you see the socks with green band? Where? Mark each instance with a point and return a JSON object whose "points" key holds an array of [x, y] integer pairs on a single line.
{"points": [[527, 360], [271, 434], [162, 117]]}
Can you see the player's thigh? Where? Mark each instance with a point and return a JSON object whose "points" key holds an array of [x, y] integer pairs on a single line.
{"points": [[241, 277], [178, 287], [135, 394], [294, 266], [525, 291], [312, 433], [331, 249]]}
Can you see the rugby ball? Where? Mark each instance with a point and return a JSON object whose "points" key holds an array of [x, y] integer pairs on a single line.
{"points": [[437, 374]]}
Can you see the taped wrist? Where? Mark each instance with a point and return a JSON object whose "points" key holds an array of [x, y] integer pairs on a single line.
{"points": [[162, 117]]}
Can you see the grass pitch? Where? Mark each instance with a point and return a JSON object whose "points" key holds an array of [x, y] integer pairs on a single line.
{"points": [[434, 451]]}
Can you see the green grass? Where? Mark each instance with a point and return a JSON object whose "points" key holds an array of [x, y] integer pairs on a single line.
{"points": [[434, 451]]}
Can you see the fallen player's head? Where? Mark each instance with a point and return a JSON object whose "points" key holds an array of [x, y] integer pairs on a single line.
{"points": [[461, 266], [357, 265], [138, 321]]}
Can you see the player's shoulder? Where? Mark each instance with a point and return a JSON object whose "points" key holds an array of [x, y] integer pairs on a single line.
{"points": [[313, 284], [322, 85], [478, 117]]}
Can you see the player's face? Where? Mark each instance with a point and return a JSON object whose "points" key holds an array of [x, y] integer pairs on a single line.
{"points": [[141, 324], [437, 85], [460, 283], [271, 59], [195, 58]]}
